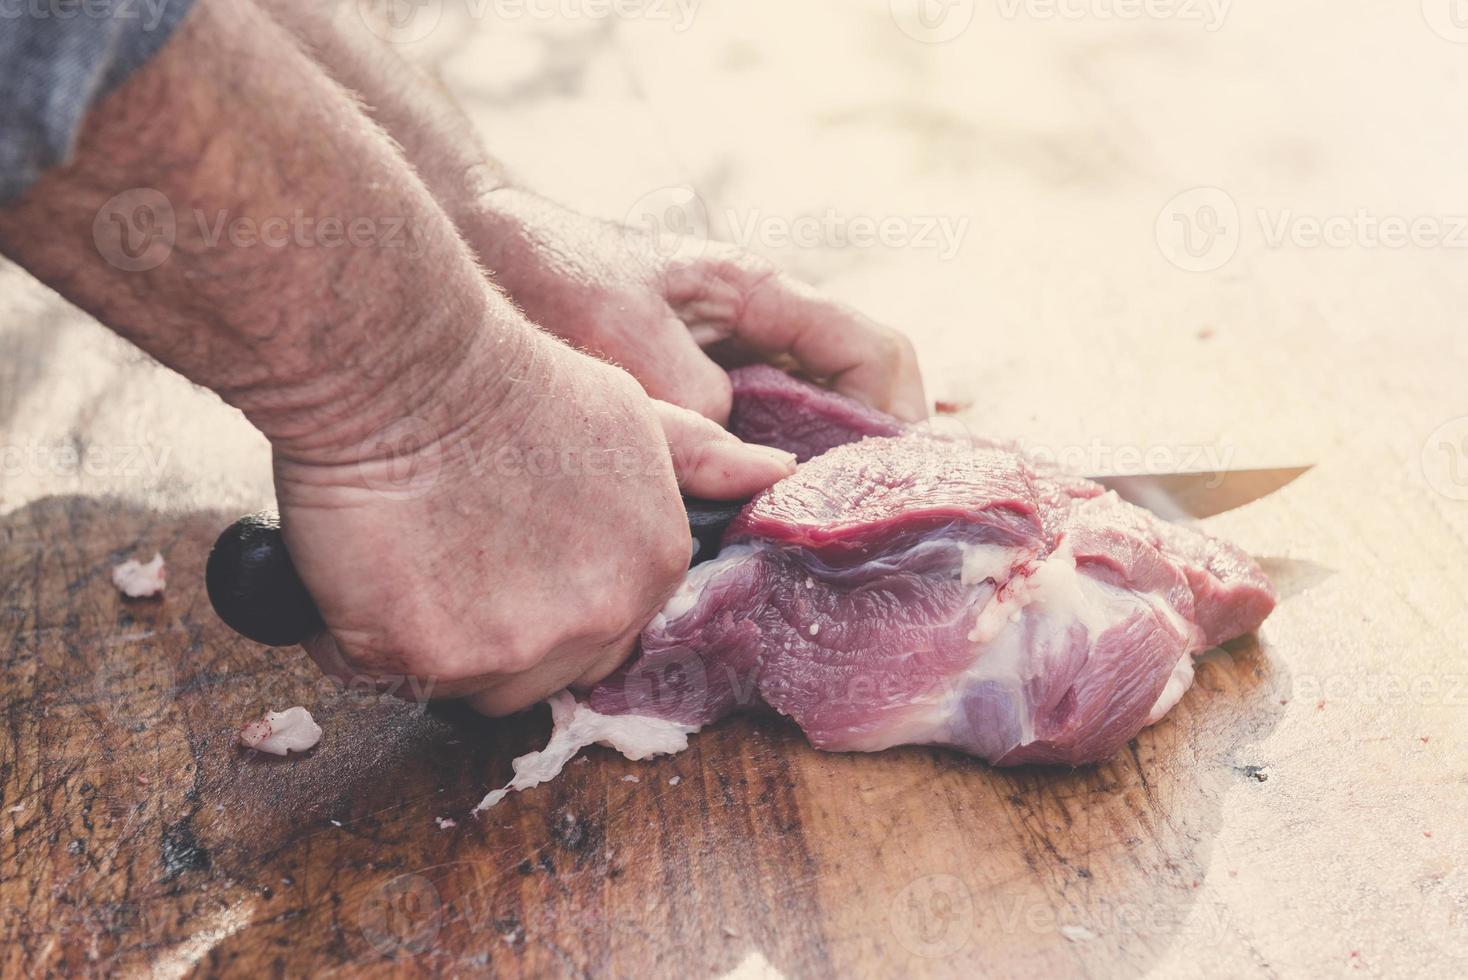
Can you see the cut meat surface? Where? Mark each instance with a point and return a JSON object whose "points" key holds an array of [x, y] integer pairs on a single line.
{"points": [[911, 589]]}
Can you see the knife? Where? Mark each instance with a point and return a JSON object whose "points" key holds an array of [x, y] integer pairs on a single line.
{"points": [[1195, 495], [254, 587]]}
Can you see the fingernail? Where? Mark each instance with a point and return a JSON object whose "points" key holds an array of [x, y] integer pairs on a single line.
{"points": [[785, 460], [730, 469], [774, 464]]}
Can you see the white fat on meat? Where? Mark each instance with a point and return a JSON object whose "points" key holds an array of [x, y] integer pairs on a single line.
{"points": [[687, 595], [574, 727], [1029, 613], [140, 580], [279, 732], [991, 562], [1053, 583]]}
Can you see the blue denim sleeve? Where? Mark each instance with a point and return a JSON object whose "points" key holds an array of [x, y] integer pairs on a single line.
{"points": [[57, 58]]}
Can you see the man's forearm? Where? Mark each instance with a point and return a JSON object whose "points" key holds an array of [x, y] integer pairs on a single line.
{"points": [[232, 212], [435, 135]]}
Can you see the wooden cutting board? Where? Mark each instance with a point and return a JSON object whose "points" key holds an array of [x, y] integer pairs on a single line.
{"points": [[1300, 810], [139, 835]]}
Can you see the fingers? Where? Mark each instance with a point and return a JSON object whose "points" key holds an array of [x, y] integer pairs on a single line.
{"points": [[853, 353], [555, 673], [496, 695], [775, 315], [673, 368], [711, 463]]}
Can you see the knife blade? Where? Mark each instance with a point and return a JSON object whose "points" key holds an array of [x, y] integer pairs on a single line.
{"points": [[1171, 496], [1202, 493]]}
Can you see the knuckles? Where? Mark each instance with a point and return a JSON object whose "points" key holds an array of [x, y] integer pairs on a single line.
{"points": [[669, 561], [903, 352], [591, 618]]}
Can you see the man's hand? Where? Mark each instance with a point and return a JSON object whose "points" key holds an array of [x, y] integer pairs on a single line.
{"points": [[522, 548], [653, 305]]}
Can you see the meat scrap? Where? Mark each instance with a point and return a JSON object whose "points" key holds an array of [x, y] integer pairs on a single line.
{"points": [[576, 726], [279, 732], [909, 587], [139, 580]]}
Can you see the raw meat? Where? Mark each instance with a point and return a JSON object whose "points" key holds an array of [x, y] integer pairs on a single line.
{"points": [[279, 732], [137, 580], [774, 409], [905, 587], [913, 589]]}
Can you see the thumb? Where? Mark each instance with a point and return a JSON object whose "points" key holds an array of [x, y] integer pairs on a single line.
{"points": [[679, 371], [710, 462]]}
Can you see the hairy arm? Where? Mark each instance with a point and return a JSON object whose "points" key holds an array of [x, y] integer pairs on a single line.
{"points": [[207, 206], [435, 135]]}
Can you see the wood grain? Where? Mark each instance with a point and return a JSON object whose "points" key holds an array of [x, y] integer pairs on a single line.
{"points": [[1299, 814]]}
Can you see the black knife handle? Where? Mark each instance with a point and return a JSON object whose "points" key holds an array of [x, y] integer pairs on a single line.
{"points": [[253, 584], [707, 522], [254, 587]]}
